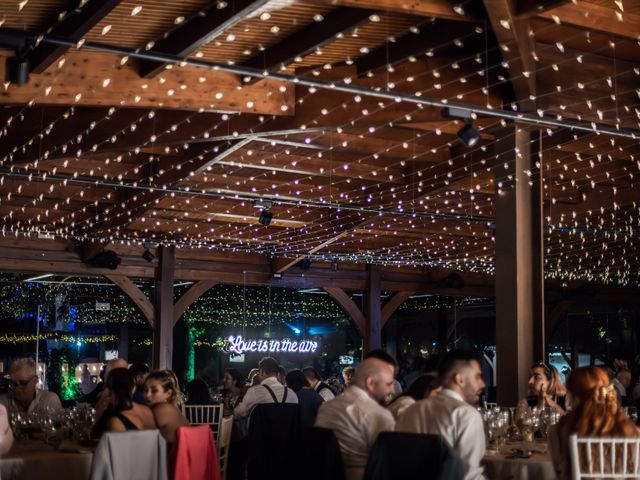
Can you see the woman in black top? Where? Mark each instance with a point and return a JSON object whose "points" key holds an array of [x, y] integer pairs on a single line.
{"points": [[123, 414]]}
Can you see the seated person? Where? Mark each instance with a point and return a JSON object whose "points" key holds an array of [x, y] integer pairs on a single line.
{"points": [[122, 413], [308, 399], [357, 416], [268, 390], [452, 413], [315, 380], [6, 435], [197, 393], [595, 411], [422, 387], [347, 375], [545, 390], [163, 395], [24, 396], [139, 372]]}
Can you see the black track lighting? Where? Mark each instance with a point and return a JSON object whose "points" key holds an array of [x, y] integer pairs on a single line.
{"points": [[265, 217], [148, 256], [468, 135]]}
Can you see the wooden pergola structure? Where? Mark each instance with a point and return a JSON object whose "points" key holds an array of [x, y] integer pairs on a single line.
{"points": [[328, 116]]}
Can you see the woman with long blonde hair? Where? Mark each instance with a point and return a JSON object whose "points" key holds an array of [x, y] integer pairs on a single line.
{"points": [[162, 393], [595, 412]]}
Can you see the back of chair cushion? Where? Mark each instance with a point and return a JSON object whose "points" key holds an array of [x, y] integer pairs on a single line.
{"points": [[412, 456], [274, 435]]}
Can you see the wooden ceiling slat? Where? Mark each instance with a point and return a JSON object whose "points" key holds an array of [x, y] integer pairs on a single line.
{"points": [[200, 30], [73, 26]]}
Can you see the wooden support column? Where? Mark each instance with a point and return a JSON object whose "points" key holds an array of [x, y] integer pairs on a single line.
{"points": [[163, 333], [519, 299], [372, 310]]}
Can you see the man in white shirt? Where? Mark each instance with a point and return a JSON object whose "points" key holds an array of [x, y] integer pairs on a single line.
{"points": [[270, 390], [317, 384], [357, 416], [451, 413], [24, 396]]}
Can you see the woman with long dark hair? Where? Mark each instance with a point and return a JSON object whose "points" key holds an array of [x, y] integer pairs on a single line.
{"points": [[595, 411], [122, 413]]}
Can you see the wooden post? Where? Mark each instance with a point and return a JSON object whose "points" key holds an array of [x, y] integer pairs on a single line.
{"points": [[372, 310], [163, 333], [519, 301]]}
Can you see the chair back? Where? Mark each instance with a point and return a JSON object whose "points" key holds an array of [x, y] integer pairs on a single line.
{"points": [[137, 453], [223, 444], [274, 432], [604, 457], [319, 448], [204, 415], [193, 456], [407, 456]]}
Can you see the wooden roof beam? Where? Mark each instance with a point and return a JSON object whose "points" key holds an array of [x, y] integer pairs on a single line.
{"points": [[432, 35], [199, 30], [306, 40], [424, 8], [530, 8], [517, 48], [597, 17], [82, 83], [73, 26]]}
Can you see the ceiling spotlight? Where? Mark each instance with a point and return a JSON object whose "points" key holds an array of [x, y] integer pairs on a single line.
{"points": [[468, 135], [148, 256], [265, 217]]}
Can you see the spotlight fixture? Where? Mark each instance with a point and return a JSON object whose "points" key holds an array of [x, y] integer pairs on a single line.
{"points": [[106, 259], [148, 256], [265, 217], [305, 264], [468, 135]]}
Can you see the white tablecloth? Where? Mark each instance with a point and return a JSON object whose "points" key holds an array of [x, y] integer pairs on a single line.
{"points": [[34, 460], [537, 467]]}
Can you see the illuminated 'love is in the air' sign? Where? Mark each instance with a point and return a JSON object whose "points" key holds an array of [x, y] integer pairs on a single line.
{"points": [[239, 345]]}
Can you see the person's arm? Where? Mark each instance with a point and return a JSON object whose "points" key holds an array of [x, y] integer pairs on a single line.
{"points": [[380, 422], [243, 409], [470, 442], [6, 435]]}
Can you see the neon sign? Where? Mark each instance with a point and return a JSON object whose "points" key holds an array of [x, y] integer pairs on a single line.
{"points": [[239, 345]]}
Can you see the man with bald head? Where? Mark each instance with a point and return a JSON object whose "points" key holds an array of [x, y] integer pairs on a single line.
{"points": [[357, 416], [25, 397]]}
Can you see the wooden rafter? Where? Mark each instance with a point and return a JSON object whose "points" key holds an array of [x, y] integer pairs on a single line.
{"points": [[597, 17], [73, 26], [430, 36], [200, 30], [105, 82], [136, 295], [528, 8], [195, 291], [309, 38], [425, 8], [349, 306], [517, 45], [392, 305]]}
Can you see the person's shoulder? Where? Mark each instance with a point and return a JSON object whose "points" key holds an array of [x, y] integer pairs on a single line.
{"points": [[49, 397]]}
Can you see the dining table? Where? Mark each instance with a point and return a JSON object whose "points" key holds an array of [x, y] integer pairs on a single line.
{"points": [[34, 459], [519, 461]]}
